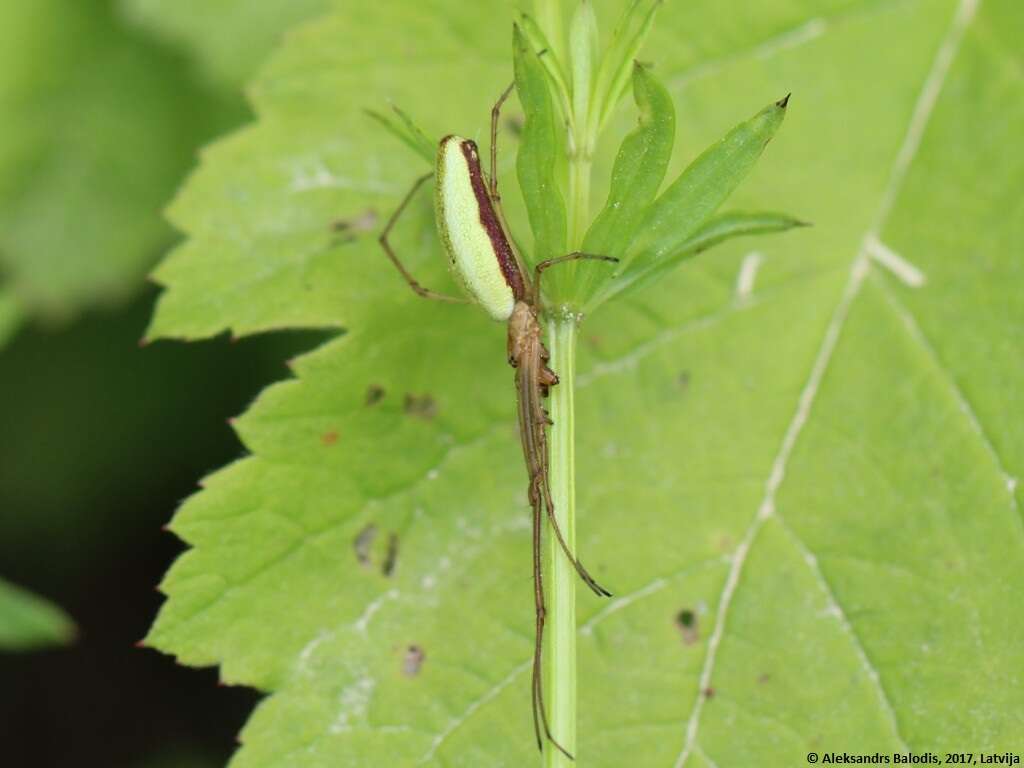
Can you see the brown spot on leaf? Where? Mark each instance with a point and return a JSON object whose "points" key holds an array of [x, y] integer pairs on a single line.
{"points": [[420, 406], [709, 692], [374, 394], [413, 660], [391, 558], [355, 225], [329, 438], [763, 678], [689, 626], [684, 380], [363, 544]]}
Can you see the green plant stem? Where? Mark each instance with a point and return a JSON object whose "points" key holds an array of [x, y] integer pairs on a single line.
{"points": [[560, 635], [579, 193]]}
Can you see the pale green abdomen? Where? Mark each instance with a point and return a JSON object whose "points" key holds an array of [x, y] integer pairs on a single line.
{"points": [[469, 240]]}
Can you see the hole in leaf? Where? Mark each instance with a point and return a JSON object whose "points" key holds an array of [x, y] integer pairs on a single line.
{"points": [[689, 625]]}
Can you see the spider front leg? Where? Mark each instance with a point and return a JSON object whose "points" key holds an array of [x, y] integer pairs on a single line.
{"points": [[426, 293], [574, 256], [495, 113]]}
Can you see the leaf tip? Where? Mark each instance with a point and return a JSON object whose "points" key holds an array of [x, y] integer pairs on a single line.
{"points": [[784, 101]]}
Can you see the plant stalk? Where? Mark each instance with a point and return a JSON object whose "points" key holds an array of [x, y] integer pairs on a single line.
{"points": [[579, 194], [560, 631]]}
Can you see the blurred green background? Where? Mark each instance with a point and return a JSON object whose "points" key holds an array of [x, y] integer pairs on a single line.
{"points": [[104, 106]]}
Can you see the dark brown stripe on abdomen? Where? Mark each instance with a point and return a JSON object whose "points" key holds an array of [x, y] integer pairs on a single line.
{"points": [[489, 218]]}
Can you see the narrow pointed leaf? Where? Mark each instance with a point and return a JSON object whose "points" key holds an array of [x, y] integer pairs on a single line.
{"points": [[551, 20], [680, 211], [720, 228], [407, 132], [539, 153], [627, 39], [553, 65], [637, 175]]}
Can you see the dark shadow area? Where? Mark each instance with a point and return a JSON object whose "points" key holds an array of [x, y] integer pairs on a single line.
{"points": [[100, 440]]}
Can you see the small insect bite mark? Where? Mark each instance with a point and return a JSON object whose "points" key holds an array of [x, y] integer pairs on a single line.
{"points": [[391, 557], [420, 406], [374, 394], [363, 544], [688, 624], [413, 660], [349, 228], [329, 438]]}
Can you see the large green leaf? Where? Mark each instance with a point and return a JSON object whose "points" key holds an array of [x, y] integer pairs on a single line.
{"points": [[797, 460], [27, 621], [99, 125]]}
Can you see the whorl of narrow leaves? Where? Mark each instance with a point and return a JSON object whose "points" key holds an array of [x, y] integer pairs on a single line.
{"points": [[639, 170]]}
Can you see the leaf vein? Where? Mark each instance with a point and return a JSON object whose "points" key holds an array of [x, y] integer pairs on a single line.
{"points": [[928, 96]]}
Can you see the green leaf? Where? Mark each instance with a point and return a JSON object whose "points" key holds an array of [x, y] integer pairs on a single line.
{"points": [[682, 209], [550, 16], [639, 169], [627, 40], [99, 126], [820, 478], [558, 77], [228, 38], [28, 622], [719, 229], [540, 151], [407, 132]]}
